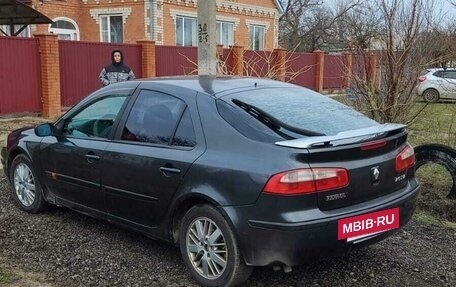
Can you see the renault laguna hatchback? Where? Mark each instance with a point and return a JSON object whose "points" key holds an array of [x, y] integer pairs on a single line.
{"points": [[237, 172]]}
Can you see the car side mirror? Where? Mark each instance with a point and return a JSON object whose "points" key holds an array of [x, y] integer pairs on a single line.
{"points": [[43, 130]]}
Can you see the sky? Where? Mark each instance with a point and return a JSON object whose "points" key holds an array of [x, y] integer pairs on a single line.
{"points": [[444, 8]]}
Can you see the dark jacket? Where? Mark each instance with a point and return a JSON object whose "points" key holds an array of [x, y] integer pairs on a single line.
{"points": [[116, 72]]}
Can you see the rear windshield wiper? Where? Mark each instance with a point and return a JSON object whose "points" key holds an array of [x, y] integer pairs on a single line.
{"points": [[272, 122]]}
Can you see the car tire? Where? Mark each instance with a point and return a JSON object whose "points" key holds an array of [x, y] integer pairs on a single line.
{"points": [[439, 154], [213, 259], [431, 95], [26, 187]]}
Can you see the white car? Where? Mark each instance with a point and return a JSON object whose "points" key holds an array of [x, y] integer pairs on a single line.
{"points": [[435, 84]]}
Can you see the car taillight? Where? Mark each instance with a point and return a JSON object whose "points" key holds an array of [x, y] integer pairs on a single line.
{"points": [[421, 79], [405, 159], [307, 180]]}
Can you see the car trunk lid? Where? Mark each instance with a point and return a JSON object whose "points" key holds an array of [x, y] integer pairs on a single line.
{"points": [[368, 155]]}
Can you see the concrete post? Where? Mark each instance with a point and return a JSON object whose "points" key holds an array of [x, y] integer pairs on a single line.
{"points": [[238, 60], [279, 66], [50, 75], [147, 58], [320, 64], [348, 62], [207, 45]]}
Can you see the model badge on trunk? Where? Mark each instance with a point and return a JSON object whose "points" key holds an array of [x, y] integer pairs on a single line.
{"points": [[336, 196]]}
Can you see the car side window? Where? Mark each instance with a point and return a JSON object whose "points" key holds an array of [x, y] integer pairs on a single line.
{"points": [[153, 118], [449, 75], [438, 74], [185, 133], [95, 120]]}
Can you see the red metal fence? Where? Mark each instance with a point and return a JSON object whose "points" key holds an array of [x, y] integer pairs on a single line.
{"points": [[258, 63], [301, 69], [172, 60], [334, 72], [20, 76], [81, 64]]}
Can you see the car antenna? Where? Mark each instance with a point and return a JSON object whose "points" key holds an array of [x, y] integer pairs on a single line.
{"points": [[255, 84]]}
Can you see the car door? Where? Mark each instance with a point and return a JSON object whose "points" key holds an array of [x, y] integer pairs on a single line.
{"points": [[71, 160], [154, 147], [449, 78]]}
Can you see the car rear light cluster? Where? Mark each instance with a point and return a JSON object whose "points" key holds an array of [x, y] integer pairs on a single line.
{"points": [[307, 180], [421, 79], [405, 159]]}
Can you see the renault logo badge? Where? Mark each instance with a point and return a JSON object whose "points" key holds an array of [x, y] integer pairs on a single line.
{"points": [[375, 174]]}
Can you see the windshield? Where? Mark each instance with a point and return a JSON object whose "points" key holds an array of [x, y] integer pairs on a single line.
{"points": [[303, 109]]}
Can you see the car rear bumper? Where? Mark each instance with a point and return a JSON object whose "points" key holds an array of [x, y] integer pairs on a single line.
{"points": [[296, 240]]}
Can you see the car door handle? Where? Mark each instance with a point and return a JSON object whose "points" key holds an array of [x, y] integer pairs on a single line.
{"points": [[92, 157], [169, 170]]}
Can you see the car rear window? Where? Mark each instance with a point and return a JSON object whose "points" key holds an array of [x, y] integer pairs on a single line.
{"points": [[303, 109]]}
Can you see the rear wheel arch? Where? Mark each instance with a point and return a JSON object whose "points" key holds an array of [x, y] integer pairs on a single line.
{"points": [[185, 205]]}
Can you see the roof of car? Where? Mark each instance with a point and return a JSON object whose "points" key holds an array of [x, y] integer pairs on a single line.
{"points": [[216, 86], [440, 69]]}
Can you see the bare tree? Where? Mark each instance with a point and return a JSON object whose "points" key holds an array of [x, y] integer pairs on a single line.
{"points": [[308, 25], [402, 31]]}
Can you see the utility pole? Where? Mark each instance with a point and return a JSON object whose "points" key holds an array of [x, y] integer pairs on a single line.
{"points": [[207, 45]]}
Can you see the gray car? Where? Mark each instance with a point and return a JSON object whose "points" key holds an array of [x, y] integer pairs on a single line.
{"points": [[436, 84], [237, 172]]}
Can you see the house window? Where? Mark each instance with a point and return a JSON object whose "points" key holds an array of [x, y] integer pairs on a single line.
{"points": [[65, 29], [7, 30], [111, 28], [256, 37], [225, 34], [186, 33]]}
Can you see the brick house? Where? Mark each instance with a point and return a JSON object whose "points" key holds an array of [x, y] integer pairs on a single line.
{"points": [[249, 23]]}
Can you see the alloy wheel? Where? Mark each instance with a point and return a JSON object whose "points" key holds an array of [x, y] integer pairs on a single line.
{"points": [[24, 184], [206, 248]]}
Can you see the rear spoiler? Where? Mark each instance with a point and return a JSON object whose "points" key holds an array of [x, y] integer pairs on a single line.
{"points": [[363, 134]]}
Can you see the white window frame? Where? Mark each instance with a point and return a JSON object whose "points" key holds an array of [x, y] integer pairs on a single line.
{"points": [[220, 36], [195, 40], [65, 31], [6, 29], [108, 16], [252, 29]]}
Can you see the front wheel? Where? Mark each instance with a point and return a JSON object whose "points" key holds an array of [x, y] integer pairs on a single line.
{"points": [[209, 248], [26, 187]]}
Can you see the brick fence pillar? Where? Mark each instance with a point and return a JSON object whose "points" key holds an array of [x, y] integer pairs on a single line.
{"points": [[320, 64], [348, 63], [280, 56], [238, 60], [221, 65], [148, 66], [50, 75], [220, 53], [372, 69]]}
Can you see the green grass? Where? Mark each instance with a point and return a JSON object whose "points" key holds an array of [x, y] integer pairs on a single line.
{"points": [[435, 124], [432, 220], [5, 277]]}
